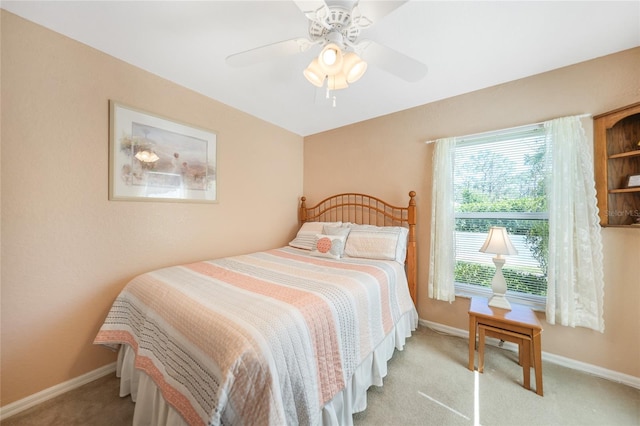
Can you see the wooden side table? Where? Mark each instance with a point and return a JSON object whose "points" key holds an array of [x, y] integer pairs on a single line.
{"points": [[520, 320]]}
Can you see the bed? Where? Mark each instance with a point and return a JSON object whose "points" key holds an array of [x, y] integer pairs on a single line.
{"points": [[293, 335]]}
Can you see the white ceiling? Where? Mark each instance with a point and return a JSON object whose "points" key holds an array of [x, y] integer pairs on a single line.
{"points": [[466, 45]]}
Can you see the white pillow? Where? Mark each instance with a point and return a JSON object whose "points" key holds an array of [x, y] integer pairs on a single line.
{"points": [[329, 246], [336, 230], [377, 242], [306, 237]]}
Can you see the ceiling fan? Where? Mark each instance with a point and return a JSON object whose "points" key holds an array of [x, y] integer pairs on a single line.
{"points": [[335, 25]]}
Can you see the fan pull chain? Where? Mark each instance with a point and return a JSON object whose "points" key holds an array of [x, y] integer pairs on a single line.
{"points": [[328, 96]]}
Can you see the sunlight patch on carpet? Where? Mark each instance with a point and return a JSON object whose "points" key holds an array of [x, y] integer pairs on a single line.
{"points": [[444, 405]]}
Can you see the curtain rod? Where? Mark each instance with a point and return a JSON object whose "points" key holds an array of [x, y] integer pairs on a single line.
{"points": [[511, 128]]}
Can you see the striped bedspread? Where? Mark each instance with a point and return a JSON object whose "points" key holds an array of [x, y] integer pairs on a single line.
{"points": [[263, 338]]}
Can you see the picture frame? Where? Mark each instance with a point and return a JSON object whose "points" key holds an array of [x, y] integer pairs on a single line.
{"points": [[152, 158], [633, 181]]}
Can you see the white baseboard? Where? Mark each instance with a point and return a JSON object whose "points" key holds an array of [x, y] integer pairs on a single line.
{"points": [[45, 395], [604, 373]]}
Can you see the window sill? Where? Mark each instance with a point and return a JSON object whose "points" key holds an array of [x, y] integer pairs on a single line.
{"points": [[537, 303]]}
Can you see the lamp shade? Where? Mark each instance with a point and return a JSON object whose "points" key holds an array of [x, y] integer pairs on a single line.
{"points": [[498, 242], [330, 59], [314, 73], [337, 81], [353, 67]]}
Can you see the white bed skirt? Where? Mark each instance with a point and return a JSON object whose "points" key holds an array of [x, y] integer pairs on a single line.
{"points": [[152, 410]]}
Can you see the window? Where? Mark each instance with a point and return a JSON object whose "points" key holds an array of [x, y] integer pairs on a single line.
{"points": [[499, 180]]}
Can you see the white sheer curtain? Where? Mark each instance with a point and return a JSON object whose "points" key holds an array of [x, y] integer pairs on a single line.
{"points": [[442, 254], [575, 287]]}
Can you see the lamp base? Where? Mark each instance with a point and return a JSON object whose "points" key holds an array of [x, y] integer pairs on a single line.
{"points": [[499, 301], [499, 286]]}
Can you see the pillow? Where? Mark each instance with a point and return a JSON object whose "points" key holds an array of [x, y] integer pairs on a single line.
{"points": [[336, 230], [329, 246], [377, 242], [306, 237]]}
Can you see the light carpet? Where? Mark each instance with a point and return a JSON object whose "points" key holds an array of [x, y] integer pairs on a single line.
{"points": [[428, 384]]}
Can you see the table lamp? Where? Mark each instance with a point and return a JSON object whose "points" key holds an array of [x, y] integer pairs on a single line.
{"points": [[498, 243]]}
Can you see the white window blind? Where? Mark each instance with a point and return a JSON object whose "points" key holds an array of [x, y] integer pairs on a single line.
{"points": [[499, 180]]}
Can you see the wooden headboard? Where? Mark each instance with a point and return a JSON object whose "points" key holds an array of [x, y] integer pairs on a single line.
{"points": [[367, 210]]}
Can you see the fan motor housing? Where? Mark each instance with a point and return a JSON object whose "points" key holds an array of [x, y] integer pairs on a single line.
{"points": [[338, 20]]}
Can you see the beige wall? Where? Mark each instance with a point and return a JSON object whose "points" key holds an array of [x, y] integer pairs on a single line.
{"points": [[66, 249], [387, 157]]}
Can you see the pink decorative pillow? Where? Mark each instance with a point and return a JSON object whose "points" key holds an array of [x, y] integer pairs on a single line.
{"points": [[306, 237], [331, 246]]}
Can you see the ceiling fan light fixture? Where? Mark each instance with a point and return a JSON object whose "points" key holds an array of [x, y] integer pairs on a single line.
{"points": [[330, 59], [354, 67], [337, 81], [314, 73]]}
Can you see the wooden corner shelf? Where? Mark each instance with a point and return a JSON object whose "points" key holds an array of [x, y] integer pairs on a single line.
{"points": [[624, 190], [625, 154], [616, 157]]}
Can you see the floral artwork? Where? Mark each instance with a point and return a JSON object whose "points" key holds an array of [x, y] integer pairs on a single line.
{"points": [[154, 158]]}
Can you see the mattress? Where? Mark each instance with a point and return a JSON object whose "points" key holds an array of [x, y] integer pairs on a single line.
{"points": [[274, 337]]}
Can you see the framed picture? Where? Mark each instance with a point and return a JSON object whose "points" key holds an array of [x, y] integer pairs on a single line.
{"points": [[156, 159], [633, 181]]}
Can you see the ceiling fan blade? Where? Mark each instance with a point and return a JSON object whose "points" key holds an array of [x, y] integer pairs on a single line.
{"points": [[268, 52], [312, 9], [365, 13], [392, 61]]}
